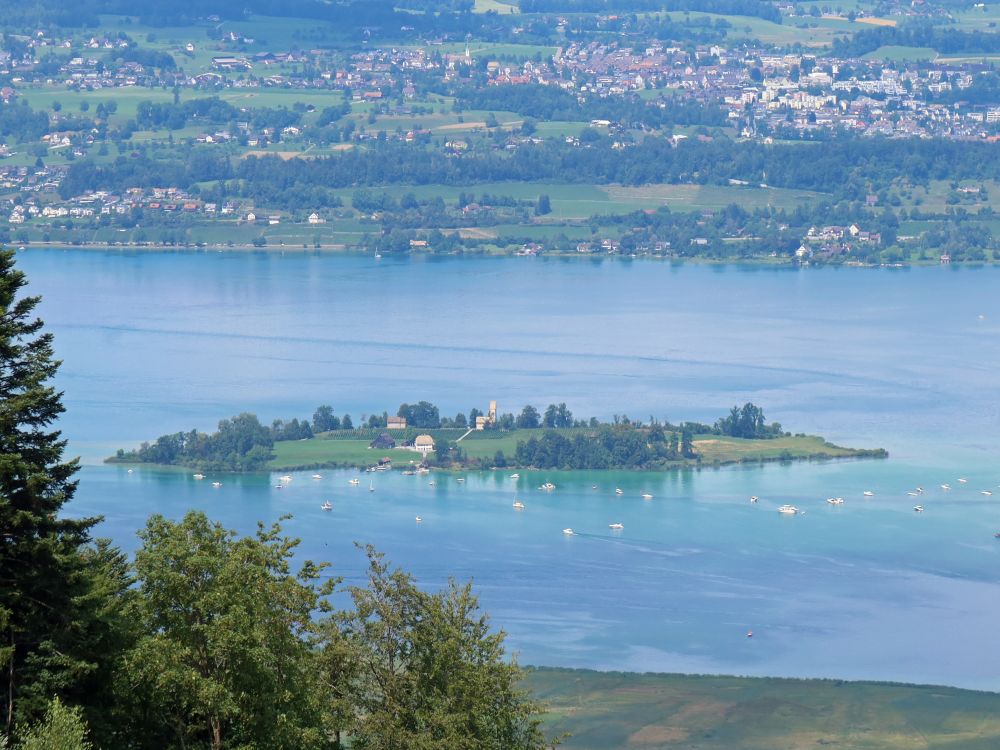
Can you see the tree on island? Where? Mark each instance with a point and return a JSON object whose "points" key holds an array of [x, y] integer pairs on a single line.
{"points": [[528, 419], [324, 420], [422, 414], [557, 416], [747, 422]]}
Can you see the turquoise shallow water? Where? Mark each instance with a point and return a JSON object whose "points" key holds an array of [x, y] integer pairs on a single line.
{"points": [[906, 360]]}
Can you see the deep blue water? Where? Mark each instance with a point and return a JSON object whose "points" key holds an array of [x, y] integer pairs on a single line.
{"points": [[904, 359]]}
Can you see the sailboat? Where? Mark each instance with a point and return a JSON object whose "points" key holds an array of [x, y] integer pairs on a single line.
{"points": [[327, 505], [371, 486]]}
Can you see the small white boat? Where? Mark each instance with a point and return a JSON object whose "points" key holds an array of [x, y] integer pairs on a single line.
{"points": [[129, 471], [371, 486], [616, 526], [418, 519], [354, 482], [619, 491], [945, 487], [460, 480], [198, 476], [988, 493], [548, 487], [912, 494], [216, 484], [378, 256], [754, 498], [518, 505], [962, 481], [835, 500], [515, 476], [869, 493], [286, 478], [317, 476], [432, 483], [327, 505], [279, 486], [646, 496], [918, 508], [568, 532], [788, 510], [920, 489]]}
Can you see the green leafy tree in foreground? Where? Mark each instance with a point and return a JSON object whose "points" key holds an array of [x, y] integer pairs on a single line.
{"points": [[225, 658], [424, 671], [62, 729], [43, 575]]}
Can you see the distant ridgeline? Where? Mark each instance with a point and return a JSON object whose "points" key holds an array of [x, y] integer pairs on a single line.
{"points": [[552, 439]]}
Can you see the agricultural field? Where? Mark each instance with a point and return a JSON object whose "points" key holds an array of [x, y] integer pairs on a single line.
{"points": [[809, 32], [577, 202], [612, 710], [939, 196], [896, 53]]}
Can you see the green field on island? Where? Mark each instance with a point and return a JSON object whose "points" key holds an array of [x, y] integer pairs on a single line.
{"points": [[351, 448], [612, 710]]}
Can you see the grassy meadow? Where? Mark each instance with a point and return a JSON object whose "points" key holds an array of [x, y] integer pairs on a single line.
{"points": [[613, 710], [351, 448]]}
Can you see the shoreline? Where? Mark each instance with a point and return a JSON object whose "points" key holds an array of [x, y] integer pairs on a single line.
{"points": [[344, 250], [859, 454]]}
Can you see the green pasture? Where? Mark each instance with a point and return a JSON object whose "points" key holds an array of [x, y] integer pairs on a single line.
{"points": [[334, 449], [582, 201], [977, 19], [934, 197], [809, 32], [503, 8], [614, 710], [897, 53]]}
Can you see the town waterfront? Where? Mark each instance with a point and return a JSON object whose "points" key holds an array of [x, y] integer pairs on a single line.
{"points": [[901, 359]]}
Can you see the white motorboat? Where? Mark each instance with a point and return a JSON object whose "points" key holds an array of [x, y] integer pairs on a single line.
{"points": [[548, 487], [754, 498], [788, 510], [354, 482], [286, 478], [963, 480], [515, 476], [327, 505], [918, 508], [912, 494], [129, 471], [432, 483], [518, 505], [988, 493], [317, 476], [418, 519], [945, 487], [619, 491], [646, 496], [869, 493], [198, 476], [460, 480], [835, 500], [216, 484], [568, 532], [616, 526]]}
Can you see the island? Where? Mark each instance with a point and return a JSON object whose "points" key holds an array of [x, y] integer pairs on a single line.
{"points": [[418, 436]]}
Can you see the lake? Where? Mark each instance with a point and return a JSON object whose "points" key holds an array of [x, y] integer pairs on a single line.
{"points": [[904, 359]]}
